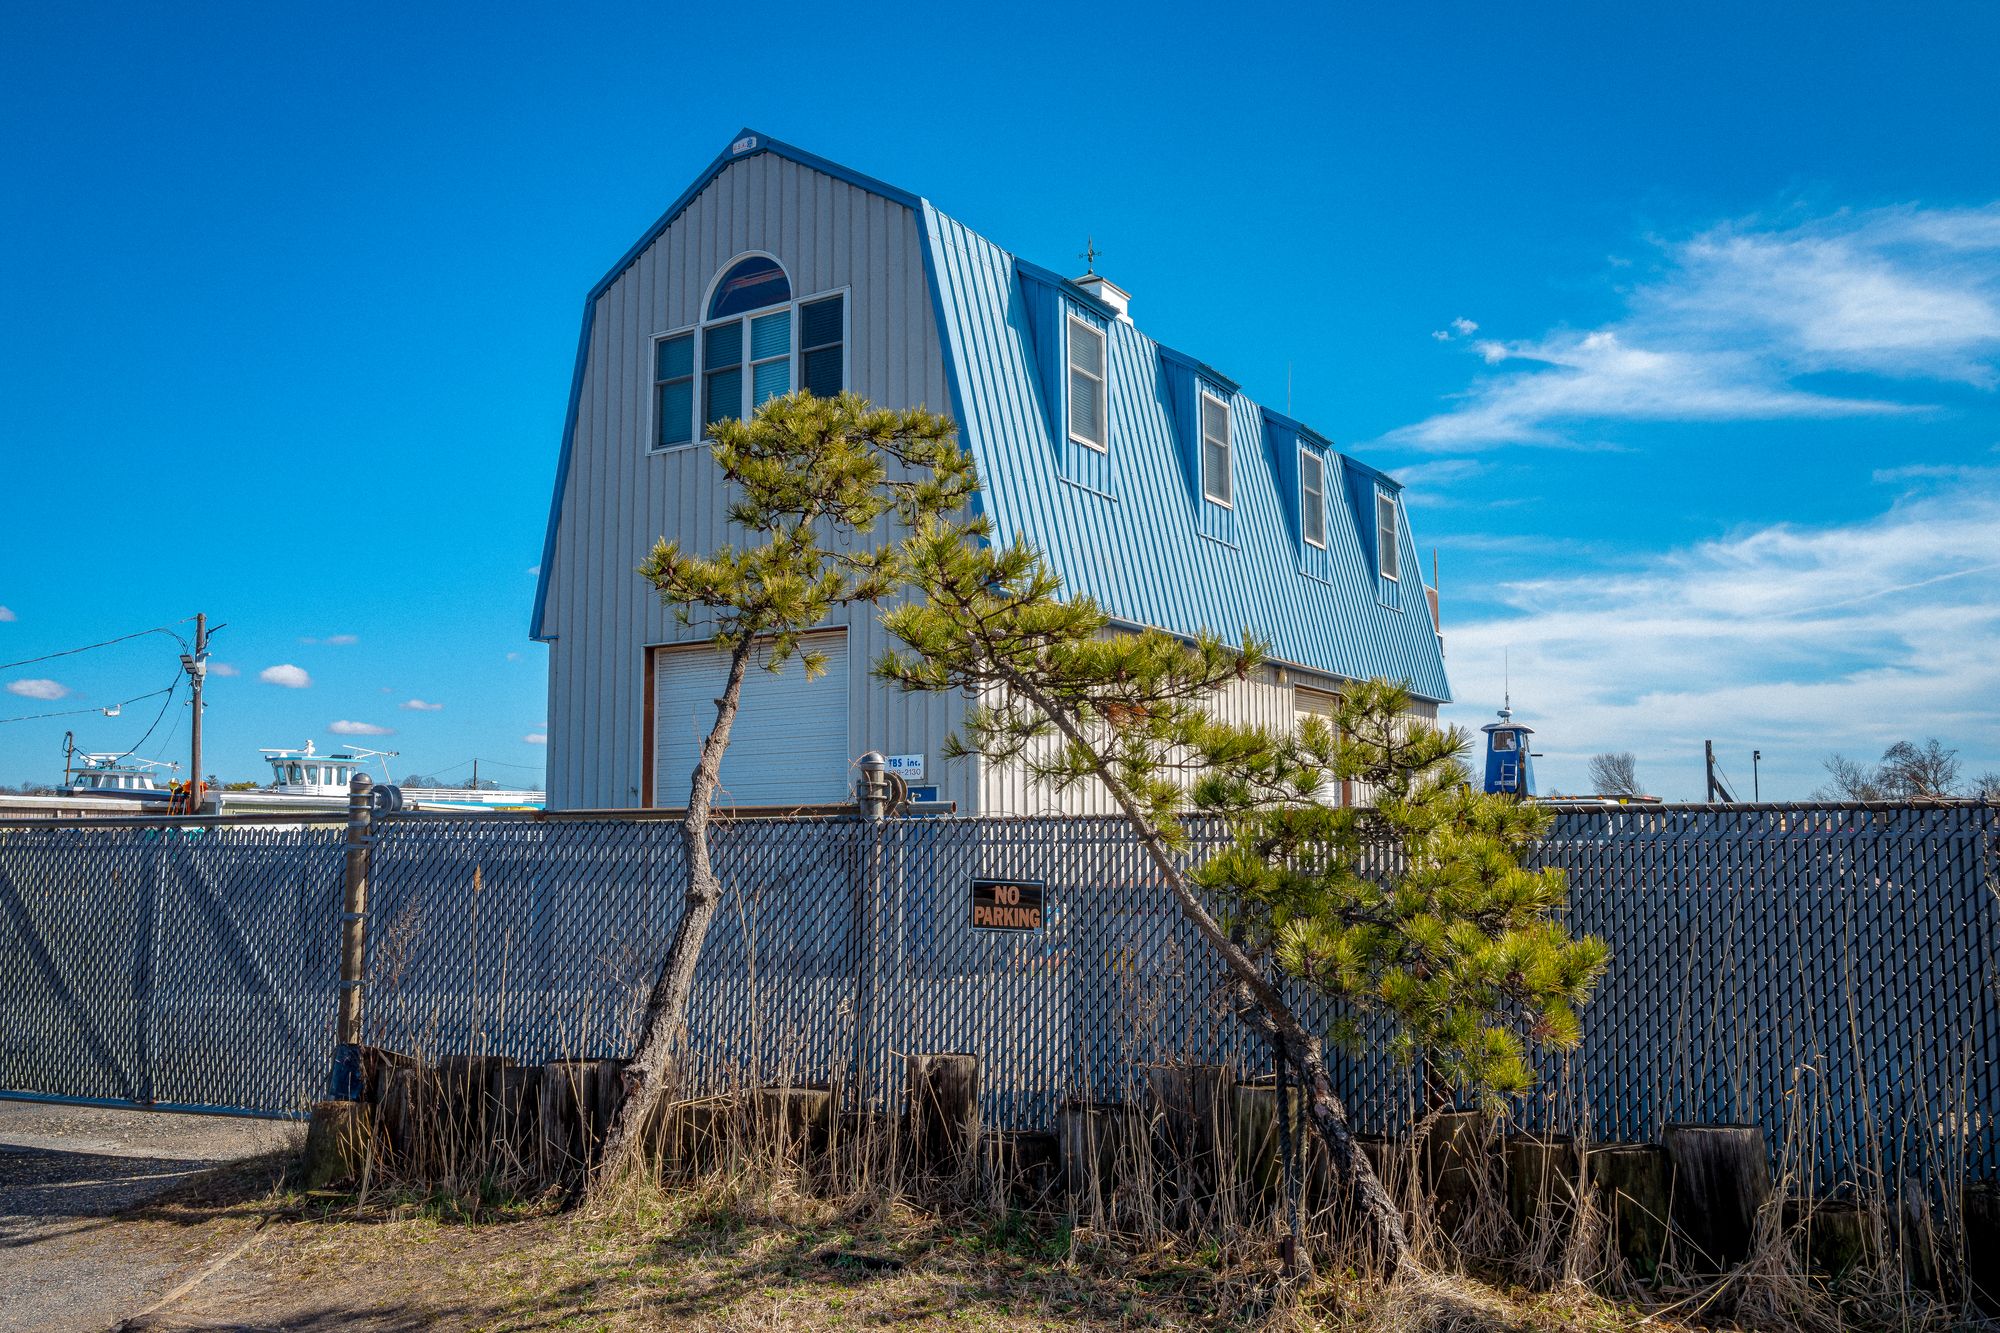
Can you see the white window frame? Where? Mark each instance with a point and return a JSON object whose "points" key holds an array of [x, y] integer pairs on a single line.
{"points": [[1228, 497], [1103, 378], [653, 445], [699, 330], [1388, 556], [1305, 529]]}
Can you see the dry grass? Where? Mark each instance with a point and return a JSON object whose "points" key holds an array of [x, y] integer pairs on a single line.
{"points": [[720, 1253]]}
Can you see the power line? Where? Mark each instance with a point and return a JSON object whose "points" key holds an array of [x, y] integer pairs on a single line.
{"points": [[68, 652], [171, 691], [72, 712]]}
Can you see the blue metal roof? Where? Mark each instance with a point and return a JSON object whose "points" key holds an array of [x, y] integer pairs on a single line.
{"points": [[1129, 526]]}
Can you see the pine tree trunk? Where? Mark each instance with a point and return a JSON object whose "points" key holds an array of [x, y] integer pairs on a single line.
{"points": [[664, 1024], [1264, 1008]]}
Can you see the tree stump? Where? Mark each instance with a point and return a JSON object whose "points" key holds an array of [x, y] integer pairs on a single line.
{"points": [[1194, 1134], [944, 1111], [697, 1136], [1541, 1180], [1722, 1178], [376, 1063], [1631, 1189], [337, 1143], [1099, 1143]]}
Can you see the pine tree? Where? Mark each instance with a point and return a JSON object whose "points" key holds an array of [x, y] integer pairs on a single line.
{"points": [[1415, 908], [810, 479], [1057, 689]]}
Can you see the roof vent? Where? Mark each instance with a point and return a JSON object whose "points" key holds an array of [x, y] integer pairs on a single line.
{"points": [[1108, 292]]}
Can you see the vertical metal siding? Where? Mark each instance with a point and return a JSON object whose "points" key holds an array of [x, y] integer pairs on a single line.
{"points": [[1139, 550], [619, 498]]}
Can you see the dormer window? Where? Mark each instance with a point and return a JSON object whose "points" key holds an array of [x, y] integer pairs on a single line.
{"points": [[1086, 384], [1214, 449], [1387, 530], [1312, 497]]}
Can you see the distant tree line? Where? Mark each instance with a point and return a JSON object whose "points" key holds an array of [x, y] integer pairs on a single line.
{"points": [[1906, 772]]}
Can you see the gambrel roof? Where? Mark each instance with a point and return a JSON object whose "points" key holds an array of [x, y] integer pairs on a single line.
{"points": [[1129, 526]]}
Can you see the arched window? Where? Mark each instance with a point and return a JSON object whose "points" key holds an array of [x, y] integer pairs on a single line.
{"points": [[755, 344], [750, 284]]}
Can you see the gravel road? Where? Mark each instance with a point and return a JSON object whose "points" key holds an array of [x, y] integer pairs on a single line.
{"points": [[65, 1168]]}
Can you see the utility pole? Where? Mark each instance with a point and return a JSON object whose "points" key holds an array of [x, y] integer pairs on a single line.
{"points": [[1716, 790], [1756, 783], [196, 666], [475, 775]]}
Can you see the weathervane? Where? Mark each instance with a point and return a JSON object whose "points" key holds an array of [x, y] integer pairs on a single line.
{"points": [[1090, 254]]}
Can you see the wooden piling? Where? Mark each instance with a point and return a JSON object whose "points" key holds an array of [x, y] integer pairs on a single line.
{"points": [[794, 1120], [1631, 1187], [563, 1113], [516, 1094], [1722, 1178], [1457, 1158], [337, 1143], [1541, 1179], [1024, 1163], [943, 1110], [408, 1115], [1098, 1143], [1832, 1237], [1192, 1107]]}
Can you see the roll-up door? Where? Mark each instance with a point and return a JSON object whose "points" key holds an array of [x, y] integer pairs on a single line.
{"points": [[789, 742]]}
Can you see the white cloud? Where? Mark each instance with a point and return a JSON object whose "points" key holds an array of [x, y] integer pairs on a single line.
{"points": [[333, 640], [534, 571], [1796, 641], [345, 728], [535, 738], [1438, 472], [419, 706], [1464, 327], [223, 669], [38, 689], [6, 615], [285, 674], [1740, 313], [513, 657]]}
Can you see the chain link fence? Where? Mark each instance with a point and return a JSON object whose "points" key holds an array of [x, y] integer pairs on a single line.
{"points": [[1825, 971]]}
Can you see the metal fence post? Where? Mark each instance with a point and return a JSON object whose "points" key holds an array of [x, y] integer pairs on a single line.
{"points": [[353, 936], [873, 798]]}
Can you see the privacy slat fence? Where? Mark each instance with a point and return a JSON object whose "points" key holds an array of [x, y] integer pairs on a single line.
{"points": [[1827, 972]]}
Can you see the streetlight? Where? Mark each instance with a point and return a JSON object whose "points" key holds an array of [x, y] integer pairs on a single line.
{"points": [[1756, 757]]}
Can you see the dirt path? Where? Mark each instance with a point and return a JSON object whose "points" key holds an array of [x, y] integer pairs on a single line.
{"points": [[66, 1172]]}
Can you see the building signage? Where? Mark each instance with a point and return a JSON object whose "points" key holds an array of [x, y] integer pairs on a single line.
{"points": [[908, 767], [1006, 904]]}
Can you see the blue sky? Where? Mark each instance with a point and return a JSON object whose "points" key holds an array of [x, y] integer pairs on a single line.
{"points": [[1682, 326]]}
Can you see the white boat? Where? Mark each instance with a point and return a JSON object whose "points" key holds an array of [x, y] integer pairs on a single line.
{"points": [[118, 777], [305, 779]]}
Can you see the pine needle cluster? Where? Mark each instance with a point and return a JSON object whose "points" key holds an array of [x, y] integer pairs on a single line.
{"points": [[809, 479], [1414, 906]]}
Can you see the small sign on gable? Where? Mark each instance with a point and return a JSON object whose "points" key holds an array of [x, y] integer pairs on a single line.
{"points": [[1007, 904]]}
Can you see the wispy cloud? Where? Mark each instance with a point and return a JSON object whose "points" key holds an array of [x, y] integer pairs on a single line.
{"points": [[1795, 640], [420, 706], [223, 669], [346, 728], [333, 640], [535, 738], [1740, 315], [285, 674], [6, 615], [38, 688]]}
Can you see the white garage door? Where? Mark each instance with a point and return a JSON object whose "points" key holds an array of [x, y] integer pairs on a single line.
{"points": [[789, 742]]}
